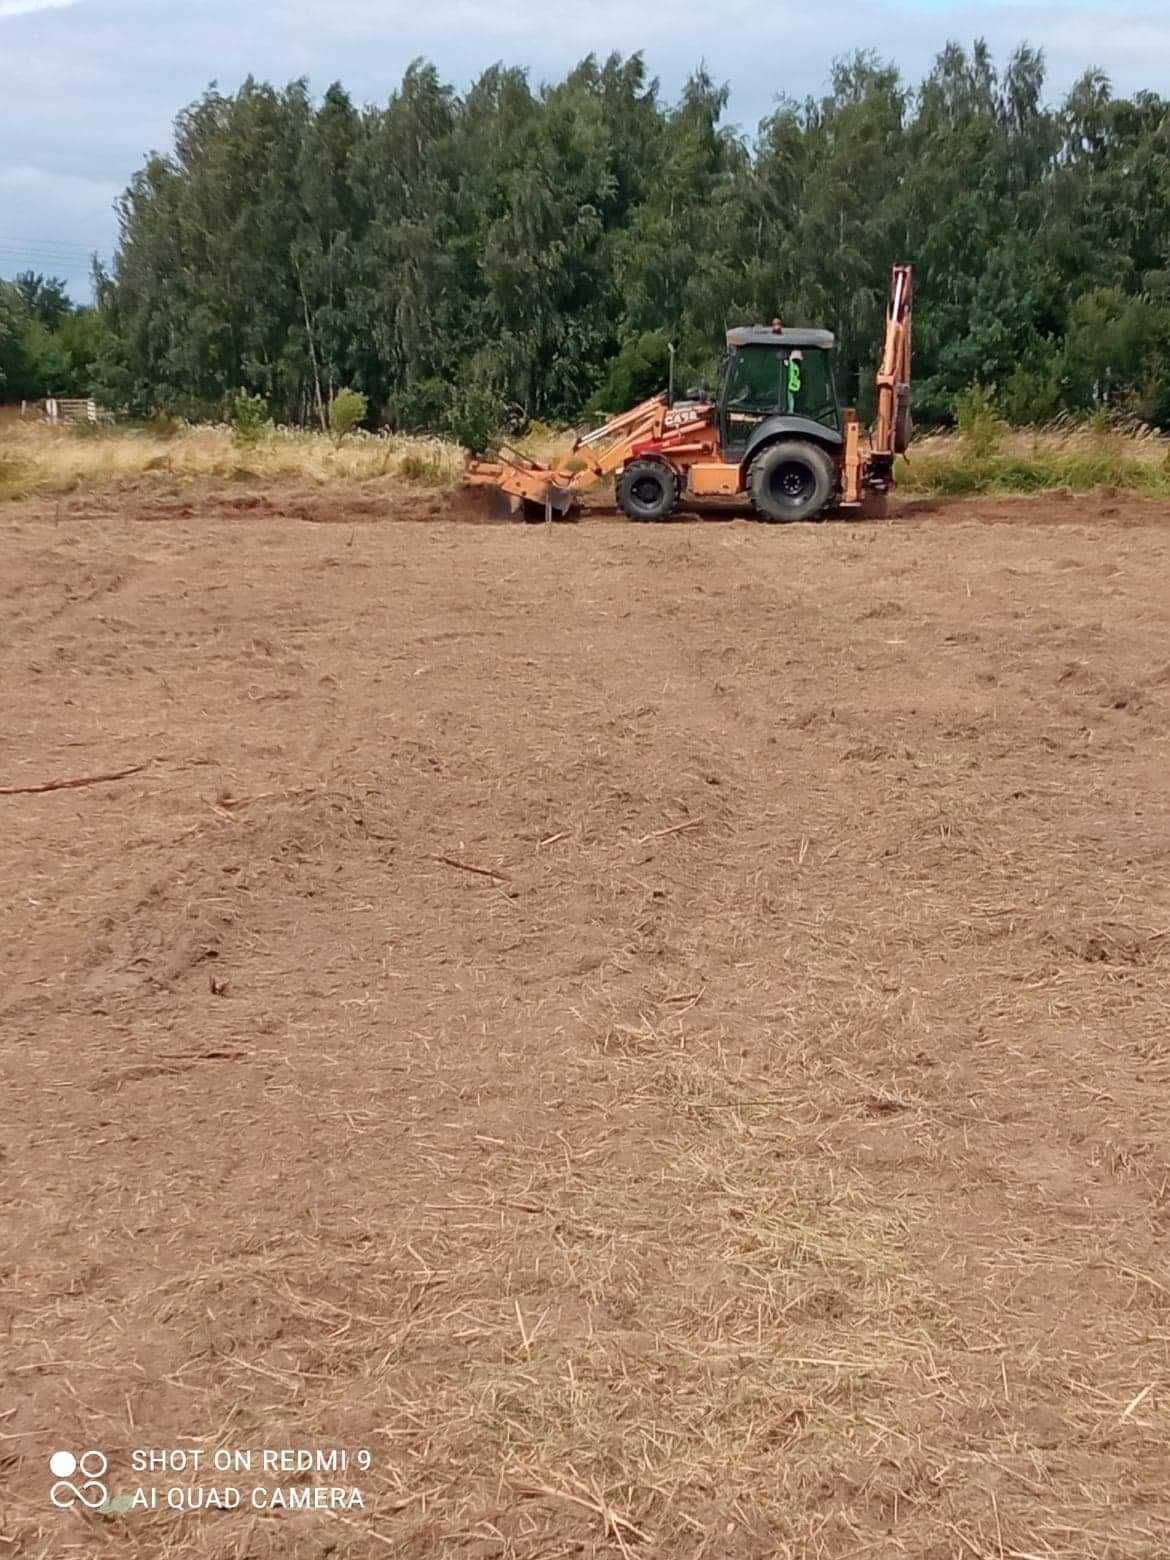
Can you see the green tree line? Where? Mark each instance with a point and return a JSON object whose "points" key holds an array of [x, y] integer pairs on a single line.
{"points": [[48, 346], [535, 249]]}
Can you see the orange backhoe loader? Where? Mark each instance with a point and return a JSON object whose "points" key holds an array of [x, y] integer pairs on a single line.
{"points": [[774, 436]]}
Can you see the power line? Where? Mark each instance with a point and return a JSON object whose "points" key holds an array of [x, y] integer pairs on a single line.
{"points": [[49, 245], [39, 258], [29, 238], [40, 249], [41, 262], [28, 259]]}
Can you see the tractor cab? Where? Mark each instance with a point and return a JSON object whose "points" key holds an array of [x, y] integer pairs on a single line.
{"points": [[779, 377]]}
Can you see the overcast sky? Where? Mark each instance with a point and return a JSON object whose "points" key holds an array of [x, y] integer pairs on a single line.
{"points": [[89, 87]]}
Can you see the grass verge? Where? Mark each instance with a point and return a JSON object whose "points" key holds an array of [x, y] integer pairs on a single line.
{"points": [[35, 458], [998, 461], [987, 459]]}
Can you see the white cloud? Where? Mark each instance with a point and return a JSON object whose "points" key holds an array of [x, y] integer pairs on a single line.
{"points": [[23, 7]]}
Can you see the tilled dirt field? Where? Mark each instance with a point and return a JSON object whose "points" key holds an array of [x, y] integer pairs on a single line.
{"points": [[656, 1034]]}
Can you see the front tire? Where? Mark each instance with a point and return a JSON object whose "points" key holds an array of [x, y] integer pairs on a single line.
{"points": [[792, 480], [648, 490]]}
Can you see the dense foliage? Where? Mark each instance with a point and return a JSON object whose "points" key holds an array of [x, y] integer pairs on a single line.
{"points": [[447, 255], [47, 345]]}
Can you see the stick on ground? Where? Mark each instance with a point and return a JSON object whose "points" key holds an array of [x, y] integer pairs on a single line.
{"points": [[69, 785], [675, 828], [465, 866]]}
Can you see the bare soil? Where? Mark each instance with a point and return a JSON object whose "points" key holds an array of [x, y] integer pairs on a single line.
{"points": [[658, 1034]]}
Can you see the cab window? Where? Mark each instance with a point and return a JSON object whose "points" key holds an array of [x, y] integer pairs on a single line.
{"points": [[808, 380], [753, 383], [762, 380]]}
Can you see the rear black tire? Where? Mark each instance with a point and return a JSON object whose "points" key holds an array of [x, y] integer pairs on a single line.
{"points": [[792, 480], [648, 490]]}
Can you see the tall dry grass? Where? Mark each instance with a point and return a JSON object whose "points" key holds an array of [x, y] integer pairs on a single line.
{"points": [[986, 458], [990, 458], [35, 458]]}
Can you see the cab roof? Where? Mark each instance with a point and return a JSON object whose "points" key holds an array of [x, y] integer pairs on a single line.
{"points": [[769, 336]]}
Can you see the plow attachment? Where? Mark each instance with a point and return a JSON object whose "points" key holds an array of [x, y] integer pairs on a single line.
{"points": [[513, 484], [520, 485]]}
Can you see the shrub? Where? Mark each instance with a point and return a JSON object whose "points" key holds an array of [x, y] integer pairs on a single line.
{"points": [[475, 417], [250, 420], [347, 409], [639, 370], [1031, 396], [980, 423]]}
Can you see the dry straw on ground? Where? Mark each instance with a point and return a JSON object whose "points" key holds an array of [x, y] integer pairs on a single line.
{"points": [[759, 1154]]}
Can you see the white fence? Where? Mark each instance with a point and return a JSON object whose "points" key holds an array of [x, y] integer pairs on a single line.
{"points": [[59, 409]]}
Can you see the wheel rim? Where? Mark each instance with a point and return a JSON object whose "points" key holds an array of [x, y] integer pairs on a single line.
{"points": [[792, 483], [647, 491]]}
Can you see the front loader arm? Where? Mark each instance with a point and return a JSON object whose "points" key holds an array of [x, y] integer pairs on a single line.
{"points": [[594, 457], [611, 444]]}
